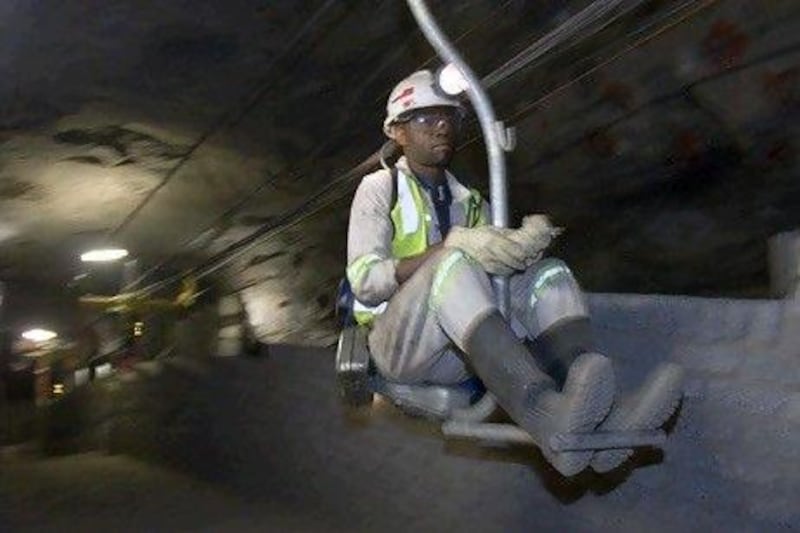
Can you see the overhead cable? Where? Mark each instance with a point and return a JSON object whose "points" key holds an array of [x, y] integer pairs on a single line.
{"points": [[230, 118], [345, 182], [355, 97], [583, 25]]}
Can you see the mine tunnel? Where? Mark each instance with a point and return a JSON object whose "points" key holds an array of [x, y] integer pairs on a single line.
{"points": [[209, 152]]}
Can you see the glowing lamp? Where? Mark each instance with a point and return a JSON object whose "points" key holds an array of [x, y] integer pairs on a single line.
{"points": [[104, 255], [39, 335], [451, 80]]}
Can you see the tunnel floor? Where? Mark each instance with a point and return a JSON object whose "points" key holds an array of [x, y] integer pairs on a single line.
{"points": [[99, 492], [282, 455], [264, 444]]}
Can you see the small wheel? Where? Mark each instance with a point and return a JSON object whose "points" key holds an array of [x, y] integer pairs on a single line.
{"points": [[354, 391], [352, 367]]}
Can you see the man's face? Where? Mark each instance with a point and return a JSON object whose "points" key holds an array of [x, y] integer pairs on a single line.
{"points": [[428, 136]]}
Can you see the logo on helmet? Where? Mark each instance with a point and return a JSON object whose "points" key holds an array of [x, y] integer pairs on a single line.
{"points": [[406, 92]]}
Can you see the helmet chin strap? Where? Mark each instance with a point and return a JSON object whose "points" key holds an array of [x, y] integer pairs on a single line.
{"points": [[390, 144]]}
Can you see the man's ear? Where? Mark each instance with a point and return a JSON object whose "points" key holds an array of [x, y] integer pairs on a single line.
{"points": [[398, 134]]}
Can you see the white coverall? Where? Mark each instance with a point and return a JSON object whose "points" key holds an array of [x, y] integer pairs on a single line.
{"points": [[419, 336]]}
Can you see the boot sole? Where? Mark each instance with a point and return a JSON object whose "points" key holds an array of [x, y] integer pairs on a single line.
{"points": [[663, 393], [592, 402]]}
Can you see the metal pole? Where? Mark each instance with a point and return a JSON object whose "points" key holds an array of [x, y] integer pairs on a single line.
{"points": [[493, 131], [487, 432]]}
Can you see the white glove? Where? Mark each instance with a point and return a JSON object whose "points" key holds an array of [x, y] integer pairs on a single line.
{"points": [[534, 236], [491, 247]]}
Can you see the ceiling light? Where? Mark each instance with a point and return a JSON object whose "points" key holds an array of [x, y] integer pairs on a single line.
{"points": [[39, 335], [104, 255], [451, 80]]}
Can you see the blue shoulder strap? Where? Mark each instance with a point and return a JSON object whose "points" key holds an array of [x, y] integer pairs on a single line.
{"points": [[345, 298], [344, 304]]}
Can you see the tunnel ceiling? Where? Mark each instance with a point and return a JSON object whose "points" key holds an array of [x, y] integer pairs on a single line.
{"points": [[665, 142]]}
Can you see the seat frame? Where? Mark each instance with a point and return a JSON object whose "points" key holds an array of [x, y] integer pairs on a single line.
{"points": [[462, 415]]}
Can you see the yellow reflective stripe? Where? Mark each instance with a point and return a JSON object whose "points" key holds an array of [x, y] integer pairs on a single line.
{"points": [[374, 309], [365, 314], [408, 204], [548, 274], [397, 222], [363, 318], [359, 268], [543, 279], [410, 219], [442, 276], [475, 216]]}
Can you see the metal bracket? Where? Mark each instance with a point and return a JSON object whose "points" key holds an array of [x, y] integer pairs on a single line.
{"points": [[506, 137], [507, 433], [562, 442], [606, 440]]}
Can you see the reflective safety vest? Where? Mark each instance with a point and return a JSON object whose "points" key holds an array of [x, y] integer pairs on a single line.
{"points": [[411, 220]]}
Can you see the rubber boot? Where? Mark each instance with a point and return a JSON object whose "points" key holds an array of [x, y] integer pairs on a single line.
{"points": [[528, 394], [647, 408], [560, 345]]}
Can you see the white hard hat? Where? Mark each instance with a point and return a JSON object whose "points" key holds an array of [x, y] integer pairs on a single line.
{"points": [[416, 91]]}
